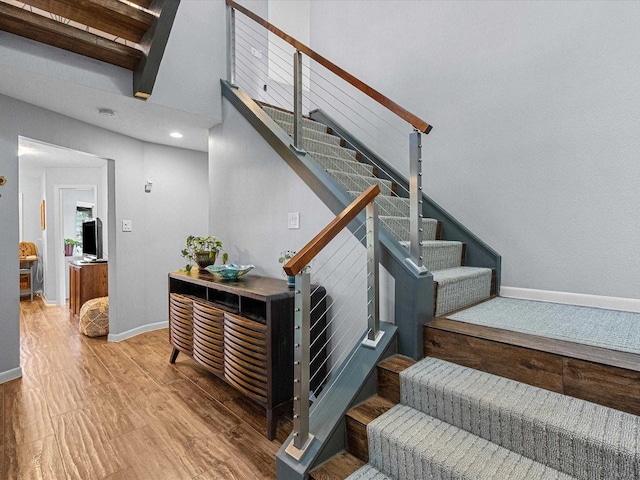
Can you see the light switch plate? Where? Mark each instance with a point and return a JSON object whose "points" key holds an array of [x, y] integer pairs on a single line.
{"points": [[127, 226], [293, 220]]}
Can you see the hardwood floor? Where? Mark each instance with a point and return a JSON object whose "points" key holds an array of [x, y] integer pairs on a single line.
{"points": [[89, 409]]}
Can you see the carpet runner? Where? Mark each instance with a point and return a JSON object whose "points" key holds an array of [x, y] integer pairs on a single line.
{"points": [[457, 422], [458, 286]]}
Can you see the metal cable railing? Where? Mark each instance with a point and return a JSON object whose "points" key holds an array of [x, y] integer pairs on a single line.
{"points": [[331, 317], [270, 83], [277, 96]]}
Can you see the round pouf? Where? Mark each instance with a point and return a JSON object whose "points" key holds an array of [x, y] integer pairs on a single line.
{"points": [[94, 317]]}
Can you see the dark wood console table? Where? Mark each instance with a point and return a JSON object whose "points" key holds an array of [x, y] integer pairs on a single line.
{"points": [[242, 331], [87, 280]]}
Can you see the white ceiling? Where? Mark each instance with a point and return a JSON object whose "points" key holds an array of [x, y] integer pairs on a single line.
{"points": [[135, 118], [35, 156]]}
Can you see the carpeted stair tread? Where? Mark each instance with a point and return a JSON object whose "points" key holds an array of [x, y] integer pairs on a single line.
{"points": [[368, 472], [440, 254], [389, 205], [280, 115], [399, 227], [352, 182], [407, 444], [311, 133], [313, 146], [329, 162], [460, 287], [582, 439]]}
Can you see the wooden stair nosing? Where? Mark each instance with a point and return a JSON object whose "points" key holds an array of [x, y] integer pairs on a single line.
{"points": [[389, 376], [337, 468], [595, 374], [604, 356], [357, 420]]}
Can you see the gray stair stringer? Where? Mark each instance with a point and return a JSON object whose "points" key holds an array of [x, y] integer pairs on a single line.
{"points": [[582, 439], [407, 444]]}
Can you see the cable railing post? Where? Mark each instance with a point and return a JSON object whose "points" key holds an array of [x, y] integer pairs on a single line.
{"points": [[301, 359], [415, 198], [297, 100], [231, 45], [373, 261]]}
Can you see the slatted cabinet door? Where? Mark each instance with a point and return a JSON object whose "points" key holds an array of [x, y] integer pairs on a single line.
{"points": [[208, 336], [181, 322], [245, 343]]}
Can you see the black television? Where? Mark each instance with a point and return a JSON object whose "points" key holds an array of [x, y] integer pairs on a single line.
{"points": [[92, 240]]}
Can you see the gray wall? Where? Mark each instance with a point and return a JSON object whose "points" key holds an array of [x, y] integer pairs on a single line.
{"points": [[535, 107], [252, 190], [138, 261], [194, 60]]}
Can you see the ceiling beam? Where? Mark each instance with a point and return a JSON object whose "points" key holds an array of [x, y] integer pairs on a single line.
{"points": [[154, 43], [142, 3], [109, 16], [41, 29]]}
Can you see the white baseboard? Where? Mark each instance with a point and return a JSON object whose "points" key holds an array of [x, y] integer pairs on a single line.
{"points": [[580, 299], [10, 374], [118, 337]]}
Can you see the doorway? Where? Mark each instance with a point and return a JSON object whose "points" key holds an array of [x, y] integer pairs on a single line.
{"points": [[54, 182]]}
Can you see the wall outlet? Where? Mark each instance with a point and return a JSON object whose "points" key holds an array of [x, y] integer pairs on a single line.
{"points": [[127, 226], [293, 220]]}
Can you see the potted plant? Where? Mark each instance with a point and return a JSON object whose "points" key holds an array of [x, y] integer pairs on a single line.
{"points": [[202, 251], [284, 258], [69, 245]]}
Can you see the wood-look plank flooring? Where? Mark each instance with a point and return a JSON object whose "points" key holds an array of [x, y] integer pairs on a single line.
{"points": [[89, 409]]}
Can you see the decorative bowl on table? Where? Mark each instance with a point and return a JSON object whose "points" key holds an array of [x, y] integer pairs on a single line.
{"points": [[230, 271]]}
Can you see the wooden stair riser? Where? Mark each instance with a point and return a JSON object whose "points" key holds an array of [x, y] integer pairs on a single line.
{"points": [[562, 372], [359, 417]]}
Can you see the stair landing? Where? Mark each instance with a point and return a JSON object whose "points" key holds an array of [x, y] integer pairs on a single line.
{"points": [[599, 375]]}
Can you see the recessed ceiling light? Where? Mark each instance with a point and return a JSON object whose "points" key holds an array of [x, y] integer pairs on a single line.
{"points": [[176, 135], [107, 112]]}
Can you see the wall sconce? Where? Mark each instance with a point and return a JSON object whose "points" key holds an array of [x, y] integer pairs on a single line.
{"points": [[147, 186]]}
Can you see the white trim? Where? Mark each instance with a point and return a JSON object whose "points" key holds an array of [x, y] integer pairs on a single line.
{"points": [[10, 374], [137, 331], [580, 299]]}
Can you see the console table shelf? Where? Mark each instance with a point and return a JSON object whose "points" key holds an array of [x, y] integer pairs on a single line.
{"points": [[242, 331]]}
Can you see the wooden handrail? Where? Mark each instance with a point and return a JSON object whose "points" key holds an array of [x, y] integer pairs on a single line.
{"points": [[407, 116], [328, 233]]}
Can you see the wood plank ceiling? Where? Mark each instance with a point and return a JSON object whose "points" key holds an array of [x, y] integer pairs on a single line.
{"points": [[113, 31], [131, 34]]}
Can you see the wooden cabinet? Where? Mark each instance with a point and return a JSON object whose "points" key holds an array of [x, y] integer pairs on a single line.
{"points": [[87, 280], [242, 331]]}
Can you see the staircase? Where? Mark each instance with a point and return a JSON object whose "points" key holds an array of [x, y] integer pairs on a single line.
{"points": [[456, 285], [456, 422]]}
